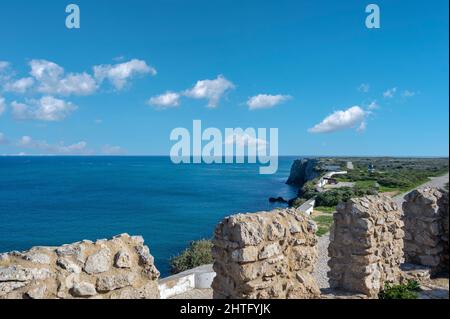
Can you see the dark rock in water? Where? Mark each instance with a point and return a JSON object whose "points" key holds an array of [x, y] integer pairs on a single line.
{"points": [[277, 200], [303, 171]]}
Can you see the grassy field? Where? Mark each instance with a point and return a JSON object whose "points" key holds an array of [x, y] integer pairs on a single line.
{"points": [[392, 175], [325, 209], [323, 216], [324, 223]]}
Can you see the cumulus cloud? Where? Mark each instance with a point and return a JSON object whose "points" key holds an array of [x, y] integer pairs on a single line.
{"points": [[112, 150], [373, 105], [3, 65], [263, 101], [45, 71], [119, 74], [390, 93], [79, 148], [166, 100], [341, 120], [212, 90], [2, 105], [3, 76], [19, 86], [47, 108], [52, 80], [364, 87], [362, 127]]}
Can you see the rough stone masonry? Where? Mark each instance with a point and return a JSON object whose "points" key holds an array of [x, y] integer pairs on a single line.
{"points": [[118, 268], [366, 245], [265, 255], [426, 228]]}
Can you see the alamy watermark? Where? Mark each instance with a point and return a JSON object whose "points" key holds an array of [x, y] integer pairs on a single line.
{"points": [[73, 19], [235, 145], [373, 20]]}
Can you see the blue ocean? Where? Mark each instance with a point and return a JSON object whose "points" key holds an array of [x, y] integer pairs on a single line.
{"points": [[50, 201]]}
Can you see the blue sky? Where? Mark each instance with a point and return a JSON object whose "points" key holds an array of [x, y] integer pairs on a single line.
{"points": [[310, 68]]}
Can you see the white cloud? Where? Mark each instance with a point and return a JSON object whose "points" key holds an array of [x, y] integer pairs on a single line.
{"points": [[119, 74], [244, 139], [3, 65], [212, 90], [408, 93], [52, 80], [362, 127], [264, 101], [3, 76], [79, 148], [341, 120], [47, 108], [2, 105], [373, 105], [75, 83], [3, 139], [45, 71], [364, 87], [19, 86], [166, 100], [390, 93], [112, 150]]}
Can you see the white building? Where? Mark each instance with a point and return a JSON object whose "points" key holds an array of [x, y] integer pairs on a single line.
{"points": [[308, 206]]}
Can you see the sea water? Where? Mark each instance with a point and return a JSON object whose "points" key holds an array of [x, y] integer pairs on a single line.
{"points": [[50, 201]]}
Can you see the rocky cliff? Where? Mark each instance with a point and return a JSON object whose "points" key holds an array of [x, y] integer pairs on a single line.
{"points": [[303, 171]]}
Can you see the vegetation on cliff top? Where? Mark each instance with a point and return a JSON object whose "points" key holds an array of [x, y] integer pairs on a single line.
{"points": [[198, 253]]}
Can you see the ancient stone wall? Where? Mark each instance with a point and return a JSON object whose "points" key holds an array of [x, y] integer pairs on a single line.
{"points": [[265, 255], [426, 228], [443, 209], [366, 245], [118, 268]]}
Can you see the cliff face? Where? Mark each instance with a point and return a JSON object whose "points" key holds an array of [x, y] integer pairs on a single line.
{"points": [[303, 171]]}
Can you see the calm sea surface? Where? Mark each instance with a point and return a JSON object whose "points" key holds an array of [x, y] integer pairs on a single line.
{"points": [[58, 200]]}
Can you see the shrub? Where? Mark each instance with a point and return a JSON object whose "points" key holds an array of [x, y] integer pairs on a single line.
{"points": [[296, 202], [402, 291], [198, 253]]}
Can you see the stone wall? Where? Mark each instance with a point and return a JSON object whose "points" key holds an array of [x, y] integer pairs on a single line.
{"points": [[118, 268], [443, 204], [426, 228], [366, 245], [265, 255]]}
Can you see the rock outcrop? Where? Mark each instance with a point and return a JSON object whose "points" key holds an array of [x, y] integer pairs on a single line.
{"points": [[265, 255], [120, 268], [426, 228], [302, 171], [366, 245]]}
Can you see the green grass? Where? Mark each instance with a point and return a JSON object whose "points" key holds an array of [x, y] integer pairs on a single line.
{"points": [[325, 209], [198, 253], [324, 223], [365, 184], [322, 231]]}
